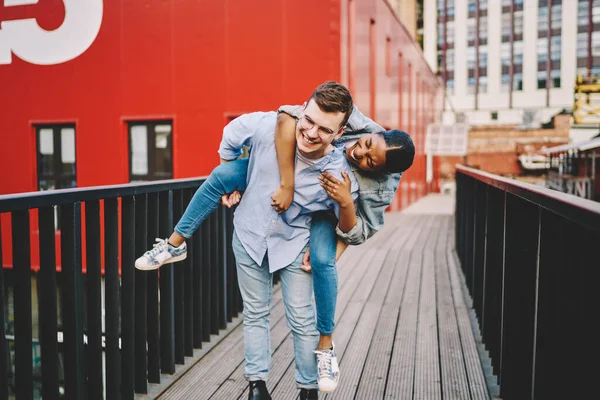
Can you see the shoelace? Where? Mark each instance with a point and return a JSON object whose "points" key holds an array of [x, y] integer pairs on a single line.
{"points": [[158, 247], [324, 363]]}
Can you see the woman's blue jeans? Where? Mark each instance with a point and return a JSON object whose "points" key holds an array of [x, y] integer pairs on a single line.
{"points": [[231, 176]]}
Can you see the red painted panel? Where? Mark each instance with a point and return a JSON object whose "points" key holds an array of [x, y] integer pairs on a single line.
{"points": [[196, 62]]}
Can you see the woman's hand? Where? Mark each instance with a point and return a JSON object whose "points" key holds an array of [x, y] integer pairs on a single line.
{"points": [[282, 198], [340, 191], [231, 199], [306, 262]]}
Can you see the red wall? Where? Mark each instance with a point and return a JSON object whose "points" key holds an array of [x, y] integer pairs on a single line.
{"points": [[198, 63]]}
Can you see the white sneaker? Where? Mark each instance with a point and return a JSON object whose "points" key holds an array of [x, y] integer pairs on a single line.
{"points": [[329, 371], [162, 253]]}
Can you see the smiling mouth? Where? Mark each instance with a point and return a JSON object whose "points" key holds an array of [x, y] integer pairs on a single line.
{"points": [[351, 155], [307, 140]]}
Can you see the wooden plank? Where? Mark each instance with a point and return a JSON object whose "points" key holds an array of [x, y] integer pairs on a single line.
{"points": [[375, 372], [475, 374], [455, 383], [402, 365], [427, 362]]}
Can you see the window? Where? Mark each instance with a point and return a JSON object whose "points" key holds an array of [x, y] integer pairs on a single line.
{"points": [[450, 31], [505, 54], [555, 78], [582, 13], [518, 82], [483, 31], [150, 150], [471, 85], [470, 57], [483, 4], [450, 60], [542, 18], [555, 48], [556, 16], [505, 27], [56, 156], [483, 56], [483, 82], [542, 49], [541, 78], [450, 86], [504, 83], [518, 22], [518, 52], [596, 44], [582, 45], [470, 30], [471, 6], [440, 29], [494, 115]]}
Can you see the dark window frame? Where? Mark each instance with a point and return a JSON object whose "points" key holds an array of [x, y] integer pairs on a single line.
{"points": [[57, 175], [152, 174]]}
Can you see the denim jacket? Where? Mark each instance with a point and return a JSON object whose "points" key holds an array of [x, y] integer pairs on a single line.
{"points": [[376, 190]]}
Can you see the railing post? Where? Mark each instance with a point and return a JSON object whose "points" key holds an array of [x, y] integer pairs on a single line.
{"points": [[72, 300], [3, 347], [207, 271], [94, 300], [47, 303], [22, 307], [519, 296], [167, 319], [153, 320], [111, 298], [179, 288], [188, 298], [141, 336], [127, 297], [197, 276]]}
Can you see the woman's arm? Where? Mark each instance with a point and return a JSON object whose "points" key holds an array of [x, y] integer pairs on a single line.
{"points": [[285, 145]]}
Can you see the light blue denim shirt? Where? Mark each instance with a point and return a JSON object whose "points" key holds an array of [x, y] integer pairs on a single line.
{"points": [[260, 229], [376, 190]]}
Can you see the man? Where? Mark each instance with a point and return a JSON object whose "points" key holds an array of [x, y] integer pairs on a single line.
{"points": [[266, 241]]}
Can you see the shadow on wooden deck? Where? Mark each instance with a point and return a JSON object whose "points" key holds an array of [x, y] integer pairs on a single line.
{"points": [[403, 329]]}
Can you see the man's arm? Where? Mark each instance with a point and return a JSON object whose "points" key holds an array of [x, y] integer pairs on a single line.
{"points": [[285, 145]]}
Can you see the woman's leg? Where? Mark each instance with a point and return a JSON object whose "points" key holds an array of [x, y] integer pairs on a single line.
{"points": [[224, 179], [323, 241]]}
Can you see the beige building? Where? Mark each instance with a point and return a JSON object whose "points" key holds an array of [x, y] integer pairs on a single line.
{"points": [[407, 12]]}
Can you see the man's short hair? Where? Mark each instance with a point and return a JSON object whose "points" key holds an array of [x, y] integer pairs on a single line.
{"points": [[400, 151], [333, 97]]}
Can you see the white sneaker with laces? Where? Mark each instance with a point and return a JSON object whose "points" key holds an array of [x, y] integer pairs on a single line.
{"points": [[329, 371], [162, 253]]}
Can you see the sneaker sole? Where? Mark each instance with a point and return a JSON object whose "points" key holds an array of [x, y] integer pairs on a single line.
{"points": [[169, 261]]}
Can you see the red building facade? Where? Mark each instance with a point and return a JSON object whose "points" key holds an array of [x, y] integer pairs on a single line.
{"points": [[183, 69]]}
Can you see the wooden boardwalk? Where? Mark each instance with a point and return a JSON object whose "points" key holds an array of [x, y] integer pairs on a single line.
{"points": [[402, 323]]}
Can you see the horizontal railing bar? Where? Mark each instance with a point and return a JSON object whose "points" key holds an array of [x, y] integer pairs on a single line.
{"points": [[582, 211], [28, 200]]}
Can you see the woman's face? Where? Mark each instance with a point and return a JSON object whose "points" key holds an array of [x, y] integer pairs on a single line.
{"points": [[368, 153]]}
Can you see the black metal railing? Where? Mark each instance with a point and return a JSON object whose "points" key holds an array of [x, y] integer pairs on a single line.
{"points": [[531, 262], [148, 321]]}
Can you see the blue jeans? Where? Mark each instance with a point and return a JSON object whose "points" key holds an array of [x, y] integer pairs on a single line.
{"points": [[255, 282], [231, 176]]}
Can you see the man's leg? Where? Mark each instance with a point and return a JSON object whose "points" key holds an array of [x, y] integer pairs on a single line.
{"points": [[300, 313], [224, 179], [255, 282]]}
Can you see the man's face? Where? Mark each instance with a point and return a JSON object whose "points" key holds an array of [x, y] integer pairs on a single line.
{"points": [[317, 129]]}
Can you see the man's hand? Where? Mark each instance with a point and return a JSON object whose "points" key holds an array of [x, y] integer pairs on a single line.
{"points": [[306, 262], [282, 198], [339, 191], [231, 199]]}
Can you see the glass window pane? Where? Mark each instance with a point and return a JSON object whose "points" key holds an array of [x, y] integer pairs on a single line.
{"points": [[67, 145], [139, 150], [46, 141], [164, 164]]}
